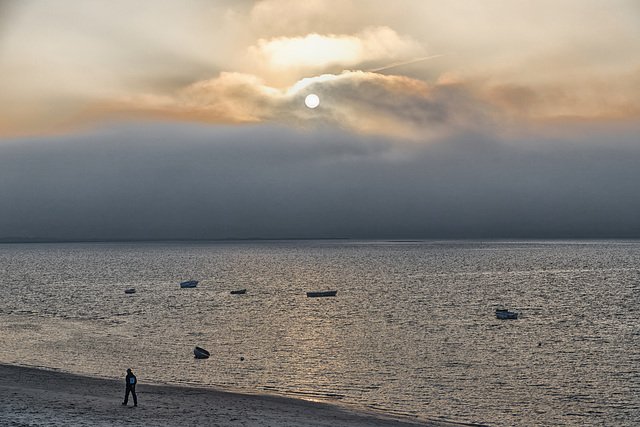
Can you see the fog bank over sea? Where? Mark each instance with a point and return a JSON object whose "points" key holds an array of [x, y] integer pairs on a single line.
{"points": [[173, 181]]}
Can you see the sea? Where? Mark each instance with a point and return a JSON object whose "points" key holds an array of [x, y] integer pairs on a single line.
{"points": [[412, 330]]}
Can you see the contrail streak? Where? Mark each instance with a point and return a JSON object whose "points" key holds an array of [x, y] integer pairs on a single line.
{"points": [[397, 64]]}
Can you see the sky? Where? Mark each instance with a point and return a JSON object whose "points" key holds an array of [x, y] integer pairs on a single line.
{"points": [[186, 119]]}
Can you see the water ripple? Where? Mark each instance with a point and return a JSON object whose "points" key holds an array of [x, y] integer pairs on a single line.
{"points": [[411, 330]]}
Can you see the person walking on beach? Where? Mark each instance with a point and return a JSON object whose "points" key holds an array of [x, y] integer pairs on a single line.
{"points": [[131, 381]]}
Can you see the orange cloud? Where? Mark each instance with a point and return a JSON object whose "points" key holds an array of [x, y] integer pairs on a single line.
{"points": [[355, 100], [369, 102]]}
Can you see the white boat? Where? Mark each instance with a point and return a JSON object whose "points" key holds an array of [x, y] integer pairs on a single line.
{"points": [[130, 291], [201, 353], [189, 284], [502, 313]]}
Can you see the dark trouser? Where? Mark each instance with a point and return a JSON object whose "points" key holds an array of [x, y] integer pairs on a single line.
{"points": [[132, 389]]}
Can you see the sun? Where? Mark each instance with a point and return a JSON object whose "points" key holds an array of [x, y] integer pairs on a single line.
{"points": [[312, 100]]}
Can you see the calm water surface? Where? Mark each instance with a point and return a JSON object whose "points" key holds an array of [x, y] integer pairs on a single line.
{"points": [[411, 331]]}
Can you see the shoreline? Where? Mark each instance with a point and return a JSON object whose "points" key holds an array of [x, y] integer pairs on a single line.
{"points": [[33, 396]]}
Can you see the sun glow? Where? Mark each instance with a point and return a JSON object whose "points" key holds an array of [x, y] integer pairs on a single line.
{"points": [[312, 100]]}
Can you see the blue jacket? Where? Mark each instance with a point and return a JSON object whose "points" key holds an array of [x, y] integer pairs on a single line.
{"points": [[129, 379]]}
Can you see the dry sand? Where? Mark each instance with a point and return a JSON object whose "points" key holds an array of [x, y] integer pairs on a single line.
{"points": [[34, 397]]}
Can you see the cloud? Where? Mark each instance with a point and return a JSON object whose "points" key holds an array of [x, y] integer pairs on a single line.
{"points": [[396, 105], [318, 51], [355, 101], [66, 66], [229, 98], [276, 18], [587, 96], [392, 105], [368, 102]]}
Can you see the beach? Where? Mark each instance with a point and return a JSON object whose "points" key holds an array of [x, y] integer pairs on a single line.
{"points": [[37, 397]]}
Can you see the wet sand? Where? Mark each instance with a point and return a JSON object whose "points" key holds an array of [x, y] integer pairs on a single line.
{"points": [[35, 397]]}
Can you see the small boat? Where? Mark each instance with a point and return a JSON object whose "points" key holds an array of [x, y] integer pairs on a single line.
{"points": [[238, 292], [130, 291], [505, 314], [189, 284], [322, 294], [201, 353]]}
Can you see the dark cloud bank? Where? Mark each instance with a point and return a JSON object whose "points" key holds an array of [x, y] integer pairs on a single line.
{"points": [[198, 182]]}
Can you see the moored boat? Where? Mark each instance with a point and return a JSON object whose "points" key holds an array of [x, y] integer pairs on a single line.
{"points": [[322, 294], [189, 284], [506, 314], [201, 353], [239, 291]]}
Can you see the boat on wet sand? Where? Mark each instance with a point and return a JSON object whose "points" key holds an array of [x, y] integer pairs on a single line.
{"points": [[201, 353], [189, 284], [322, 294], [502, 313]]}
